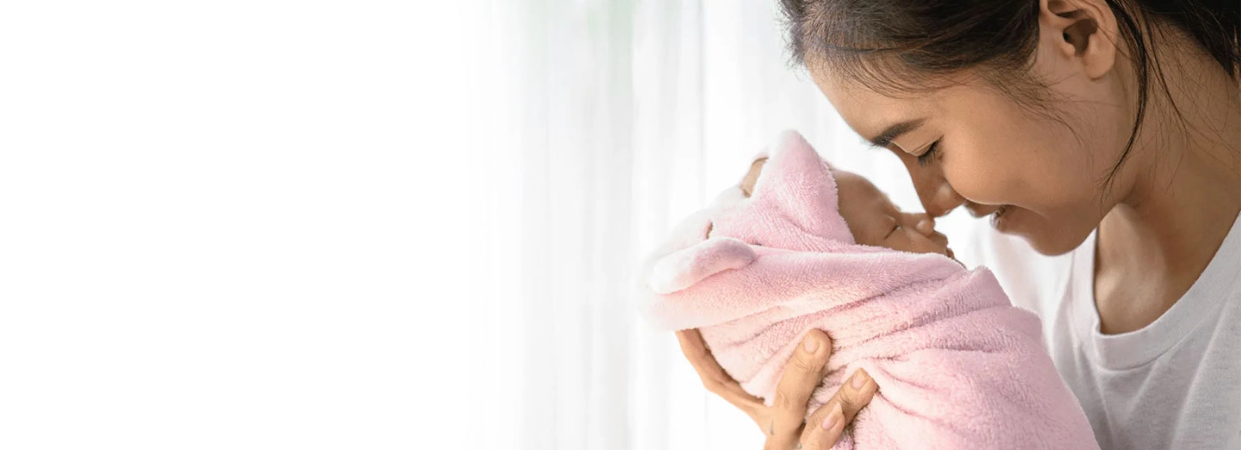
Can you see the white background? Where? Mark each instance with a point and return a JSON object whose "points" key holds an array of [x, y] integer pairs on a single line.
{"points": [[371, 224]]}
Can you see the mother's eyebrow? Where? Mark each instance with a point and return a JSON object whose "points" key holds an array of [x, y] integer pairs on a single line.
{"points": [[890, 134]]}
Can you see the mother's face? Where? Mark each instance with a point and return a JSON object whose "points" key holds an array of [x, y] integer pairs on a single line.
{"points": [[972, 145]]}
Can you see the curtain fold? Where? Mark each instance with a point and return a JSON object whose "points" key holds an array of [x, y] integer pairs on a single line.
{"points": [[616, 119]]}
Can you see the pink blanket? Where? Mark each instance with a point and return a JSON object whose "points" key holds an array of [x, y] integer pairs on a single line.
{"points": [[958, 367]]}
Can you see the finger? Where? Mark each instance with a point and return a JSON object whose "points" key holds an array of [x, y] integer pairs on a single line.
{"points": [[856, 394], [852, 396], [699, 356], [801, 376], [822, 434], [714, 378]]}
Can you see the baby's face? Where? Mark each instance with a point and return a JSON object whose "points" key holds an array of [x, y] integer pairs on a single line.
{"points": [[871, 216], [874, 220]]}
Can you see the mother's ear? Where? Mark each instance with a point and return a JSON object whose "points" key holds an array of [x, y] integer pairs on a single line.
{"points": [[1086, 33], [686, 267]]}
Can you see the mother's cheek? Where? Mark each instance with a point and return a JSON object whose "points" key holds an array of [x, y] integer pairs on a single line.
{"points": [[982, 178]]}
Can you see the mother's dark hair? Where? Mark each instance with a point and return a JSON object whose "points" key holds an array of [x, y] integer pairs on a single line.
{"points": [[900, 45]]}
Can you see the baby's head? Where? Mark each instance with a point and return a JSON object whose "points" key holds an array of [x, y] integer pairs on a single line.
{"points": [[792, 201], [871, 217]]}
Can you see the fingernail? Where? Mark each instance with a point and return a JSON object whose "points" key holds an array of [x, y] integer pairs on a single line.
{"points": [[859, 379], [811, 345], [832, 417]]}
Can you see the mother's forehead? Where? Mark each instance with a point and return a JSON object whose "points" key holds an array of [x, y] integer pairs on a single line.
{"points": [[869, 112]]}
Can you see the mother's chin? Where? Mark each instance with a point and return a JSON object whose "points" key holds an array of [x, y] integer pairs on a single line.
{"points": [[1048, 236]]}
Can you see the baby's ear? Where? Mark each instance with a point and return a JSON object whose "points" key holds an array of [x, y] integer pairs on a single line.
{"points": [[686, 267]]}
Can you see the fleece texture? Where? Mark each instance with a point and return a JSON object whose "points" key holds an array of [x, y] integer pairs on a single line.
{"points": [[958, 367]]}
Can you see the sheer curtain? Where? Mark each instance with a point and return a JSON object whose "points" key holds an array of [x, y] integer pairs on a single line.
{"points": [[373, 224], [619, 118]]}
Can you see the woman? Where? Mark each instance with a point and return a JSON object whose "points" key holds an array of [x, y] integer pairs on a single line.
{"points": [[1105, 130]]}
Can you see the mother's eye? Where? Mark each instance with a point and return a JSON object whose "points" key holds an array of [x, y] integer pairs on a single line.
{"points": [[929, 155]]}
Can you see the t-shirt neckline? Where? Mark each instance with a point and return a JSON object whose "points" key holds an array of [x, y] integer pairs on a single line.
{"points": [[1139, 347]]}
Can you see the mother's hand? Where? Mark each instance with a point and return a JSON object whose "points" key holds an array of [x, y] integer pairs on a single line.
{"points": [[783, 422]]}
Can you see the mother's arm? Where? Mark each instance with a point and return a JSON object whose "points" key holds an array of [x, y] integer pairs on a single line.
{"points": [[783, 421]]}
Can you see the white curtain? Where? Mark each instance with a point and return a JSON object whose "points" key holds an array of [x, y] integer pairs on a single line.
{"points": [[622, 116], [372, 224]]}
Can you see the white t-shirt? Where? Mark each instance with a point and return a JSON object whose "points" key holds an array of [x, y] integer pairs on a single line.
{"points": [[1175, 384]]}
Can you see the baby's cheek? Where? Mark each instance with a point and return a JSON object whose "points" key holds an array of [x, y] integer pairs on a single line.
{"points": [[901, 241], [896, 241], [910, 241], [864, 240]]}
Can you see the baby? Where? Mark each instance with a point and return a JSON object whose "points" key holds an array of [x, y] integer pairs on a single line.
{"points": [[799, 245], [871, 216]]}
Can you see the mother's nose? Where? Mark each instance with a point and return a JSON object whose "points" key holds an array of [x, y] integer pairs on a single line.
{"points": [[937, 196]]}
